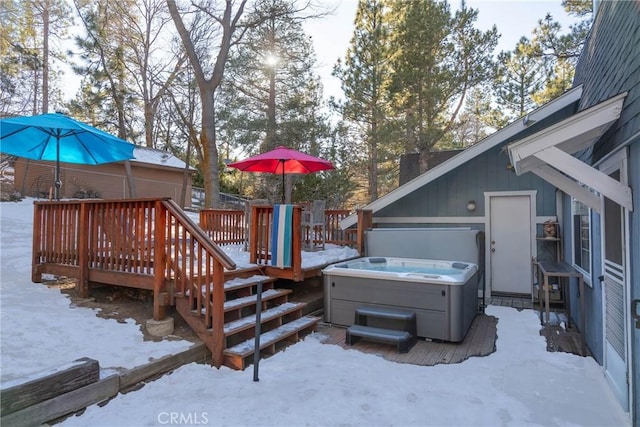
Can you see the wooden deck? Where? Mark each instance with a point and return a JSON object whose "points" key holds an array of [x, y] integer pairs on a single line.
{"points": [[479, 341]]}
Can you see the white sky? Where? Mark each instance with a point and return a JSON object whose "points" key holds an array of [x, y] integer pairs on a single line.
{"points": [[308, 384]]}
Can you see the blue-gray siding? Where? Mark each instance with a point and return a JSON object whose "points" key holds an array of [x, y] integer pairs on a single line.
{"points": [[608, 66], [448, 195]]}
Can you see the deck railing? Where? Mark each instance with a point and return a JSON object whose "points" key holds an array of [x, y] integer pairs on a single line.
{"points": [[142, 243], [226, 226], [333, 233], [152, 244]]}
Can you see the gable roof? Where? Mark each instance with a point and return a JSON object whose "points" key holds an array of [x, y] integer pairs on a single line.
{"points": [[493, 140], [155, 157]]}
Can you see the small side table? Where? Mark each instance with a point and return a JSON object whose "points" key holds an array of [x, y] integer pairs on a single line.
{"points": [[562, 269]]}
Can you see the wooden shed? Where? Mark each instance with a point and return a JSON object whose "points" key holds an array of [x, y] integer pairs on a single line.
{"points": [[156, 173]]}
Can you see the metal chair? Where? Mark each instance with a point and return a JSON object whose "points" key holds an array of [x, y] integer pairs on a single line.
{"points": [[313, 226]]}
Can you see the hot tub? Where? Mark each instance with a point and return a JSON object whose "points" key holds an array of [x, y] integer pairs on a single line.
{"points": [[443, 294]]}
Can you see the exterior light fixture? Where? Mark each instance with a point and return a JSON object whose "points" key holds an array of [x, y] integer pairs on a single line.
{"points": [[471, 205]]}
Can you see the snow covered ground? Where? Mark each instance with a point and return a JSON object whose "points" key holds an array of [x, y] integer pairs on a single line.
{"points": [[309, 383]]}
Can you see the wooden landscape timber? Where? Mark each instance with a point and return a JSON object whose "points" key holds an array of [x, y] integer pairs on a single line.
{"points": [[47, 385], [69, 390]]}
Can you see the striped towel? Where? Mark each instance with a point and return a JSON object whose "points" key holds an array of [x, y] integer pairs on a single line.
{"points": [[281, 236]]}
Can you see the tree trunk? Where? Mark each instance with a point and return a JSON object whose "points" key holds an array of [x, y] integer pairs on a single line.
{"points": [[185, 175], [207, 93], [45, 58], [209, 149]]}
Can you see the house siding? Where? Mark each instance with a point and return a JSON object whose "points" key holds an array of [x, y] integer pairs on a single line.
{"points": [[610, 65], [448, 195]]}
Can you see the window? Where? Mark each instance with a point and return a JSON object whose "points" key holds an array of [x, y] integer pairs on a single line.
{"points": [[581, 226]]}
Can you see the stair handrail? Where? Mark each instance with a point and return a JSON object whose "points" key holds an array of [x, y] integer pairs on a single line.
{"points": [[201, 236], [151, 241], [206, 289]]}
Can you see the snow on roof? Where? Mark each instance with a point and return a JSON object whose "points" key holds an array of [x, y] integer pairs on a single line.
{"points": [[157, 157]]}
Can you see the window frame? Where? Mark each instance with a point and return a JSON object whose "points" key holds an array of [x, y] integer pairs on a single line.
{"points": [[582, 227]]}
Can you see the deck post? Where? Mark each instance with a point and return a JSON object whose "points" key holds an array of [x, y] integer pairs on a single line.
{"points": [[159, 261], [83, 251], [365, 222], [36, 275], [296, 247], [253, 235], [217, 314]]}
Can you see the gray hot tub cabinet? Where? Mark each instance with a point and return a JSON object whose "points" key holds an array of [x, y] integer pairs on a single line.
{"points": [[443, 312]]}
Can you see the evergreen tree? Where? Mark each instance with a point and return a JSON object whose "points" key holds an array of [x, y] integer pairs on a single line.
{"points": [[560, 51], [365, 76], [520, 76], [29, 53], [478, 119], [439, 59], [106, 98], [271, 97], [542, 68]]}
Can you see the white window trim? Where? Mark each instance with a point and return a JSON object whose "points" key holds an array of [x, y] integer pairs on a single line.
{"points": [[586, 275]]}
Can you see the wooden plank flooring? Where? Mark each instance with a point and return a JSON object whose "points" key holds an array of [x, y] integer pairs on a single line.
{"points": [[479, 341]]}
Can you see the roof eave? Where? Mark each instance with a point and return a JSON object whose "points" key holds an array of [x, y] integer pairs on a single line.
{"points": [[486, 144]]}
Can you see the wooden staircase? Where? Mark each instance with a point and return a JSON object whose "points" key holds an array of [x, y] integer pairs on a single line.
{"points": [[282, 321], [153, 244]]}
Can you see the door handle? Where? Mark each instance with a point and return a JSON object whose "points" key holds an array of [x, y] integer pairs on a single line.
{"points": [[635, 311]]}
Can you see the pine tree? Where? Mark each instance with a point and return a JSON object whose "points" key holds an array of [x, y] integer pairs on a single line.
{"points": [[440, 58], [28, 55], [560, 51], [271, 97], [365, 76], [520, 76], [106, 87]]}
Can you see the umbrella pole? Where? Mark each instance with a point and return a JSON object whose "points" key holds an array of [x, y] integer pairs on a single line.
{"points": [[283, 183], [57, 184]]}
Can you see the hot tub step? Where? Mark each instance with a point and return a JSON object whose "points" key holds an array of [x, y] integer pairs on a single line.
{"points": [[406, 319], [403, 340]]}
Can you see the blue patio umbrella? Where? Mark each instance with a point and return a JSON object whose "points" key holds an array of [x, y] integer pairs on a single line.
{"points": [[59, 138]]}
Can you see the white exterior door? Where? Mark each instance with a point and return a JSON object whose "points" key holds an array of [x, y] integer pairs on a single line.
{"points": [[509, 241], [615, 287]]}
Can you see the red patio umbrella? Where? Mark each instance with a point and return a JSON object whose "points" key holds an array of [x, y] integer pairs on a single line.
{"points": [[283, 160]]}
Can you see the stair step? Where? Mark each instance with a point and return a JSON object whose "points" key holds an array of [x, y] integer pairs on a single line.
{"points": [[239, 283], [235, 356], [270, 314], [251, 299], [245, 271], [403, 340]]}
